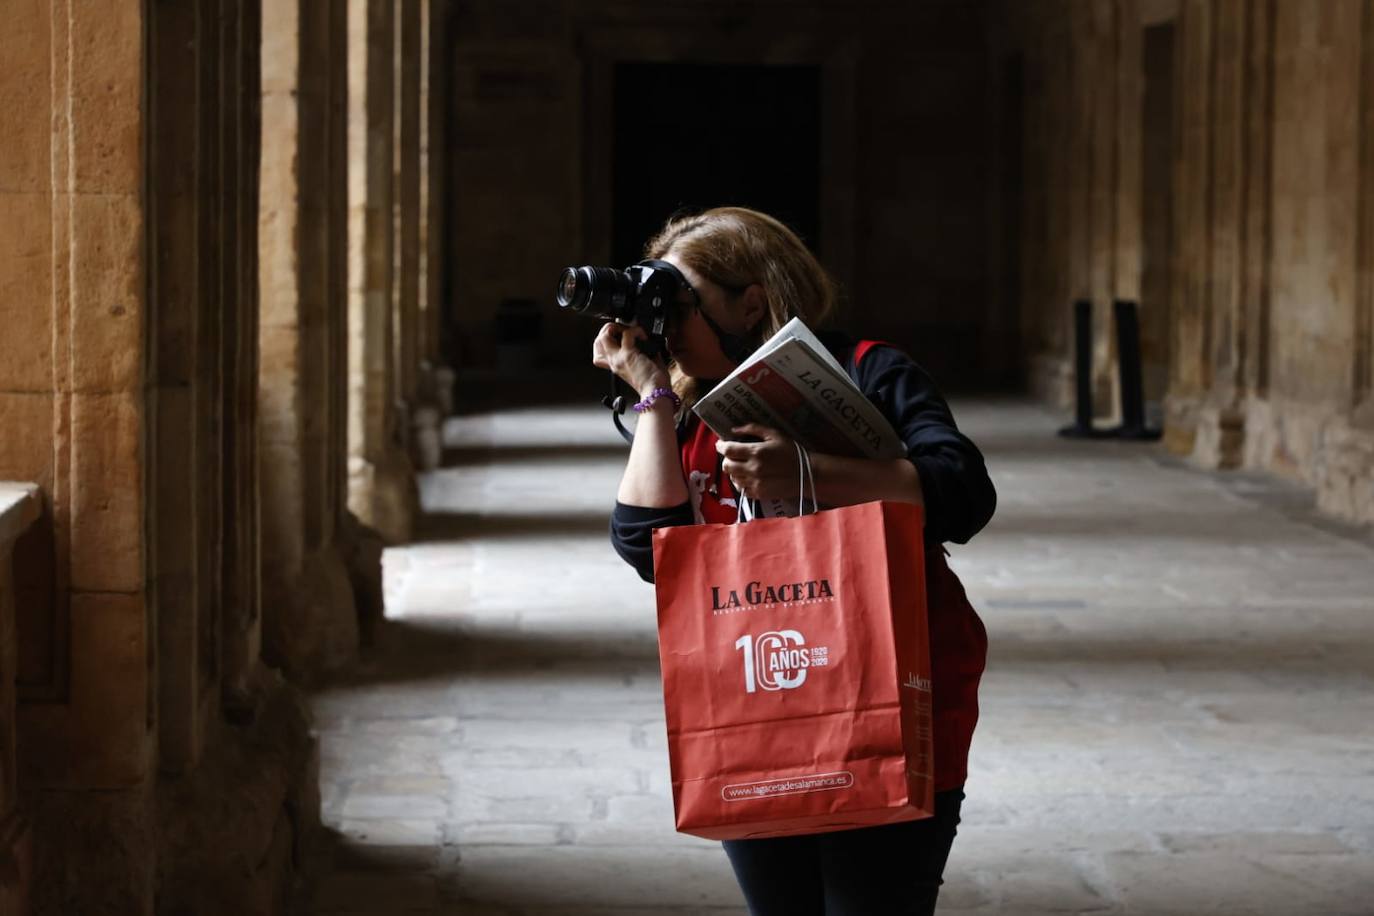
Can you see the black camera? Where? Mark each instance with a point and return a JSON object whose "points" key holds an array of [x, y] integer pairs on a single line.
{"points": [[645, 294]]}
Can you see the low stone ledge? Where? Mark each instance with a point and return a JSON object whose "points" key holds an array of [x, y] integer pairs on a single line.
{"points": [[20, 506]]}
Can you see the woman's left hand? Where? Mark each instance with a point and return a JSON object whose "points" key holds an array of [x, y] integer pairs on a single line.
{"points": [[767, 469]]}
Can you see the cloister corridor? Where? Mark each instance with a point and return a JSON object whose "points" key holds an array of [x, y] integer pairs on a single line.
{"points": [[1176, 712], [304, 488]]}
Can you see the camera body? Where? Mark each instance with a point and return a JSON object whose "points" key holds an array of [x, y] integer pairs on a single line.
{"points": [[644, 294]]}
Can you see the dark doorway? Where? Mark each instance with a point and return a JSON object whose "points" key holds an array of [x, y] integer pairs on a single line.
{"points": [[1157, 213], [697, 136]]}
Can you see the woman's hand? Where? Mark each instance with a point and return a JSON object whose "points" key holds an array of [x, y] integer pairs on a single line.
{"points": [[767, 469], [615, 349]]}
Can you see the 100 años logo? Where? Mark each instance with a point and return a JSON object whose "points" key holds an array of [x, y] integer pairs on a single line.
{"points": [[778, 660]]}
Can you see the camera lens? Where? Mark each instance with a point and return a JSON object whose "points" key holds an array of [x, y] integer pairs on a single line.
{"points": [[600, 291], [574, 289]]}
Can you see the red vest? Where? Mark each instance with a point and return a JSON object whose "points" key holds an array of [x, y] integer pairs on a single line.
{"points": [[958, 641]]}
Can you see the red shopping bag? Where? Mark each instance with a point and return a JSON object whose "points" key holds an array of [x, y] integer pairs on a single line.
{"points": [[796, 672]]}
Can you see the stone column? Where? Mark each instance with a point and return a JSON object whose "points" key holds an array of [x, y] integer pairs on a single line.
{"points": [[1314, 418], [1103, 78], [1237, 100], [182, 388], [434, 96], [240, 633], [1189, 368], [422, 418], [406, 205], [381, 488], [311, 624], [1364, 304], [1051, 165], [426, 229]]}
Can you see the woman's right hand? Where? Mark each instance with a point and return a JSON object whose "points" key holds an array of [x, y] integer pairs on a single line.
{"points": [[615, 348]]}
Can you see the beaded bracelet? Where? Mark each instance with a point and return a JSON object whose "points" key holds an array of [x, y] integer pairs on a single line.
{"points": [[654, 396]]}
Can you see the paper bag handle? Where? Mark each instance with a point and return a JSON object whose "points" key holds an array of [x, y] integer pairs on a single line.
{"points": [[745, 511]]}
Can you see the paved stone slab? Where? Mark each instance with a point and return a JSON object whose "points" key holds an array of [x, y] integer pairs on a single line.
{"points": [[1175, 714]]}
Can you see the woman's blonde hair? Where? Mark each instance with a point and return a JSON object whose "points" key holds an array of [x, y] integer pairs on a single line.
{"points": [[735, 247]]}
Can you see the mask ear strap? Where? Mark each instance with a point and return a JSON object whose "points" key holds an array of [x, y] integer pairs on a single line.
{"points": [[736, 347]]}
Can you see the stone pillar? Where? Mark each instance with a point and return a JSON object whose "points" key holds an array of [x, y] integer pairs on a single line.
{"points": [[1051, 164], [1364, 305], [20, 507], [381, 487], [1314, 419], [240, 635], [428, 228], [414, 371], [1239, 100], [437, 377], [421, 415], [1189, 372], [406, 204], [228, 804], [183, 342], [311, 624], [426, 442], [1102, 89]]}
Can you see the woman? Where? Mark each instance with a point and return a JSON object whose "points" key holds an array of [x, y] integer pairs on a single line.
{"points": [[746, 276]]}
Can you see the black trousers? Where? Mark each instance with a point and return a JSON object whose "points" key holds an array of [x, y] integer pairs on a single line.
{"points": [[893, 870]]}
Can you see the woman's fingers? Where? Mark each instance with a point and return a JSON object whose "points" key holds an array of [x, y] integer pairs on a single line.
{"points": [[762, 469], [758, 431], [734, 467], [765, 448], [616, 339], [736, 451], [609, 336], [609, 347], [616, 348], [743, 484]]}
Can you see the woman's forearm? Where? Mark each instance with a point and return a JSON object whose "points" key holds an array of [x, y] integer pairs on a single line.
{"points": [[844, 481], [653, 476]]}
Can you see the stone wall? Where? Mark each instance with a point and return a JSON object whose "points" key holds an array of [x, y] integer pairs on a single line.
{"points": [[174, 384], [73, 411], [1250, 247], [902, 157]]}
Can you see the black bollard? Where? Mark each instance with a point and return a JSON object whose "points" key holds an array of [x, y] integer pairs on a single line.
{"points": [[1082, 427], [1130, 374]]}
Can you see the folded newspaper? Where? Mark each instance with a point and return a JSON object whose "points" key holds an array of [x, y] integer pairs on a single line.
{"points": [[793, 384]]}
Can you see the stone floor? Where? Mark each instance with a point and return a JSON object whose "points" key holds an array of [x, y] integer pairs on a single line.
{"points": [[1178, 715]]}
